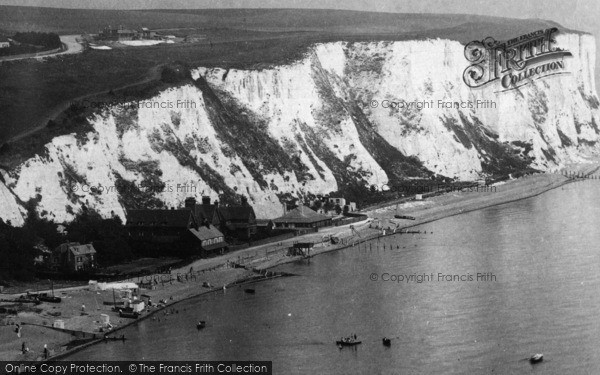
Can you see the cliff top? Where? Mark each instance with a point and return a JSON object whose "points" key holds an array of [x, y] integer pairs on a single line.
{"points": [[411, 25]]}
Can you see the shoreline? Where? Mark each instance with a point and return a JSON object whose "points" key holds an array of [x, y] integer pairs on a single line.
{"points": [[435, 208]]}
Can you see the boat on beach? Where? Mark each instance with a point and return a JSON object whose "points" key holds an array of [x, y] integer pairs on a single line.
{"points": [[128, 313], [406, 217], [51, 299], [387, 342], [249, 291], [201, 324]]}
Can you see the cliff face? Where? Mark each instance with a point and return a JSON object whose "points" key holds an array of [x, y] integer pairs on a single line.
{"points": [[314, 126]]}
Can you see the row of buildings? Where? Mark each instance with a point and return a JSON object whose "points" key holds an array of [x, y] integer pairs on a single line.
{"points": [[198, 228], [121, 33], [203, 227]]}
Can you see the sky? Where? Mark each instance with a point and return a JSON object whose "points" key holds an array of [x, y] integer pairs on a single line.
{"points": [[576, 14]]}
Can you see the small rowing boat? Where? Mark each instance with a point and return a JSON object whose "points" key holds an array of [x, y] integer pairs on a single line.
{"points": [[201, 324], [387, 342], [347, 342]]}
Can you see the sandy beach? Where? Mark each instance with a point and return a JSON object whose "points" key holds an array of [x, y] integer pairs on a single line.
{"points": [[219, 272]]}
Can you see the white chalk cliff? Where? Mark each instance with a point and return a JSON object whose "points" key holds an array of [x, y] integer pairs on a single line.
{"points": [[310, 127]]}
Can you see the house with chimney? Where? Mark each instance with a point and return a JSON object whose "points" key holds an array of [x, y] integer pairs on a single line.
{"points": [[238, 221], [73, 257], [165, 231]]}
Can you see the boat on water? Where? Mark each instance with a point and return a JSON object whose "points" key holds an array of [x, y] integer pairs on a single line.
{"points": [[536, 358], [201, 324], [112, 338], [348, 341], [387, 342]]}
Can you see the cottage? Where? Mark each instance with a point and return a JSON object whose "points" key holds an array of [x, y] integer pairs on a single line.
{"points": [[119, 33], [302, 217], [74, 257], [211, 239], [4, 42], [237, 221], [160, 231]]}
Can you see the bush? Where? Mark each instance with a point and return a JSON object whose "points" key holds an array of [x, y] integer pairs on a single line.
{"points": [[47, 40]]}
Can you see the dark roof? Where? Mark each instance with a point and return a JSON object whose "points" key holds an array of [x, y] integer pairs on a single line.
{"points": [[205, 211], [301, 214], [242, 213], [3, 39], [162, 217]]}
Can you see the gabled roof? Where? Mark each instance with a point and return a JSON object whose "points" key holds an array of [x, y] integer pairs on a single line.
{"points": [[82, 249], [241, 213], [204, 233], [205, 211], [301, 214], [162, 217]]}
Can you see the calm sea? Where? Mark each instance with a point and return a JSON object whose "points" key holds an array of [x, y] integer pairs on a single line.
{"points": [[544, 297]]}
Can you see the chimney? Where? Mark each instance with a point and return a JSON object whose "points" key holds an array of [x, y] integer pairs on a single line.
{"points": [[190, 203], [284, 208], [206, 200], [216, 203], [244, 200]]}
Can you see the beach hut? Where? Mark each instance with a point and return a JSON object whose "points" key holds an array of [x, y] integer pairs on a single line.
{"points": [[59, 323], [136, 305], [104, 319]]}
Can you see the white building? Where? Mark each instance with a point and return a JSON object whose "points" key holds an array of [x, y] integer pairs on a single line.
{"points": [[340, 201], [4, 42]]}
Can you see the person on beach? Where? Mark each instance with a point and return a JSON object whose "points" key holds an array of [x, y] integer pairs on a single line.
{"points": [[45, 351]]}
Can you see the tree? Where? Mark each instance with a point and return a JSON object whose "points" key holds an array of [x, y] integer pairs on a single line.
{"points": [[338, 209], [318, 204]]}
